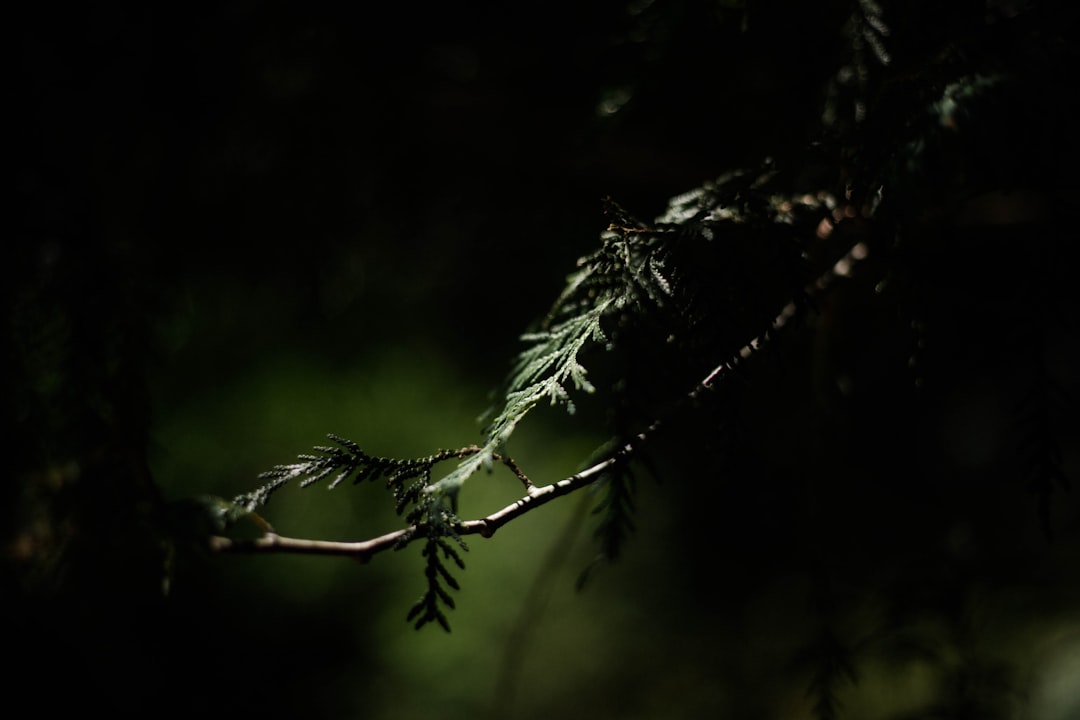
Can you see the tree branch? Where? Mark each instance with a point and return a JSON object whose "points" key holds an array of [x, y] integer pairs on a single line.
{"points": [[535, 496], [486, 527]]}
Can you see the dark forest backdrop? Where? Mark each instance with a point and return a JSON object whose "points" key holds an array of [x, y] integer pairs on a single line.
{"points": [[241, 227]]}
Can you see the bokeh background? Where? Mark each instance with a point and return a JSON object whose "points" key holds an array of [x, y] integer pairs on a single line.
{"points": [[246, 225]]}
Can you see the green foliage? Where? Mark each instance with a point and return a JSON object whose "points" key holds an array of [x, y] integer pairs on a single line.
{"points": [[427, 608], [429, 513], [405, 478]]}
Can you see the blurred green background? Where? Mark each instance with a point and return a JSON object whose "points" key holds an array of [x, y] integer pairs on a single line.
{"points": [[265, 222]]}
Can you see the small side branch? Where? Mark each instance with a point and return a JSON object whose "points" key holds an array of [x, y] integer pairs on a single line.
{"points": [[364, 550], [841, 268]]}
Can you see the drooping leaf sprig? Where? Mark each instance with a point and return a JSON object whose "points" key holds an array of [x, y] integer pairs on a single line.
{"points": [[431, 516]]}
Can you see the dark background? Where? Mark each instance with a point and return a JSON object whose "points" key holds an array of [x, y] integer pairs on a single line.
{"points": [[240, 228]]}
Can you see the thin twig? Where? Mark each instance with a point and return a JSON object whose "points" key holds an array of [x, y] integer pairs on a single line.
{"points": [[363, 550]]}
